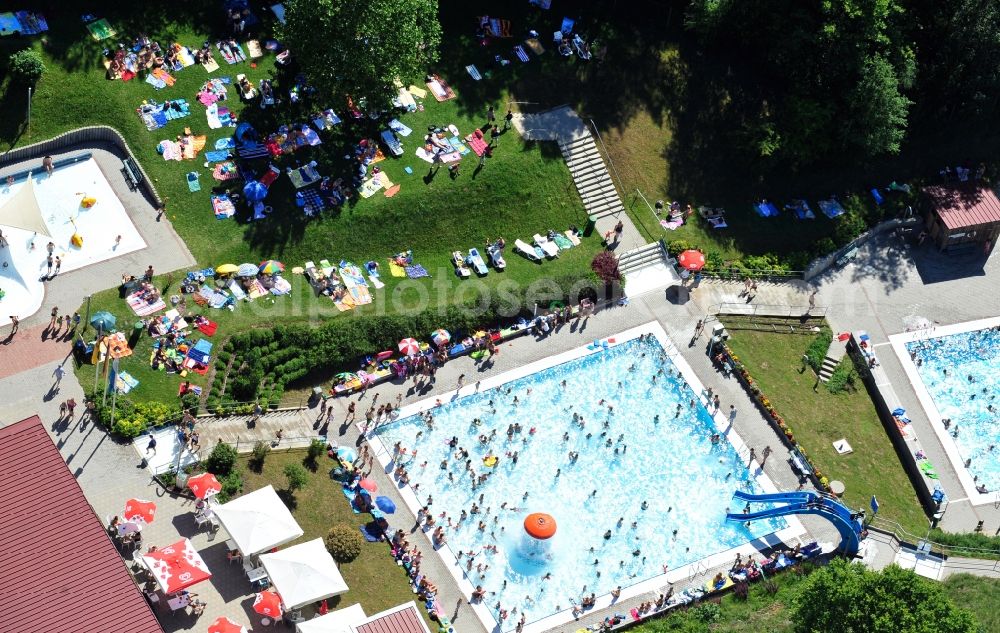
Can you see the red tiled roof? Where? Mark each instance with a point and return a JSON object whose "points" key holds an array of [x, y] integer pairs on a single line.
{"points": [[964, 206], [405, 620], [61, 572]]}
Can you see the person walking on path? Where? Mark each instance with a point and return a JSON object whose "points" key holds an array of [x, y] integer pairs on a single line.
{"points": [[14, 322], [322, 409], [58, 266], [716, 403], [54, 315], [75, 323], [151, 446], [71, 408], [62, 410], [753, 455], [732, 413], [812, 299], [619, 230], [49, 260], [58, 372], [351, 415], [507, 119], [764, 454]]}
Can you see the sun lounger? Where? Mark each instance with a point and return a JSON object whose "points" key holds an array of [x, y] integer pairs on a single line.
{"points": [[255, 50], [496, 258], [473, 72], [459, 261], [248, 92], [521, 53], [831, 208], [765, 209], [533, 253], [562, 241], [476, 261], [572, 237], [801, 210], [391, 142], [550, 248]]}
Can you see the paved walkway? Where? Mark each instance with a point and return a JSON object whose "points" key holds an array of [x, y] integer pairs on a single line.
{"points": [[164, 249], [33, 346]]}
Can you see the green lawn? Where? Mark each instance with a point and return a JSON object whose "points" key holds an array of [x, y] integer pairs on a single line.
{"points": [[375, 581], [819, 418], [977, 594], [524, 189]]}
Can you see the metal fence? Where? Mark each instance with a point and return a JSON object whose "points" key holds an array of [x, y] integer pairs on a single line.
{"points": [[986, 559], [766, 310]]}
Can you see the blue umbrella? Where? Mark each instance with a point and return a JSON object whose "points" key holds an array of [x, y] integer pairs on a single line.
{"points": [[104, 321], [254, 191], [385, 504]]}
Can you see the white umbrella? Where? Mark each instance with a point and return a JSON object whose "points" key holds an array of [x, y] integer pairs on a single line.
{"points": [[303, 574], [258, 521]]}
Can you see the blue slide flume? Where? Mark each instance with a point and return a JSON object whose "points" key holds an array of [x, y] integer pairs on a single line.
{"points": [[846, 522]]}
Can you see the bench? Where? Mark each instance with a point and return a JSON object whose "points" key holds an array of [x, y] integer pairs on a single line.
{"points": [[132, 174]]}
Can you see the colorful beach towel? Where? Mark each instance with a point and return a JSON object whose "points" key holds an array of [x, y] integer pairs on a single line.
{"points": [[101, 30], [170, 150], [416, 271], [217, 155], [142, 307], [193, 183], [396, 270], [477, 144], [223, 207], [211, 65]]}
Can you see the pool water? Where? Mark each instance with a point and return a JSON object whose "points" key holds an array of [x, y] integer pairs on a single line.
{"points": [[629, 457], [947, 363]]}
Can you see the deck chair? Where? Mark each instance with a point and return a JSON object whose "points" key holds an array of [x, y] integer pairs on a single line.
{"points": [[390, 141], [548, 246]]}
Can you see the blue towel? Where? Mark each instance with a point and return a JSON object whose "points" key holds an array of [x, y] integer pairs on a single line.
{"points": [[416, 272], [225, 143], [160, 119], [204, 346], [216, 155]]}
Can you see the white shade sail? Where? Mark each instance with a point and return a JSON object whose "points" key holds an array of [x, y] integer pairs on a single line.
{"points": [[22, 210], [303, 574], [339, 621], [258, 521]]}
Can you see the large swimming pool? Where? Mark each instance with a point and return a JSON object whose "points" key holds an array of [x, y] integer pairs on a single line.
{"points": [[636, 488], [961, 372]]}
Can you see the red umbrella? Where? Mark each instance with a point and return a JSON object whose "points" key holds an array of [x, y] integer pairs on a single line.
{"points": [[409, 346], [368, 485], [268, 603], [204, 485], [139, 510], [692, 260], [225, 625], [176, 566]]}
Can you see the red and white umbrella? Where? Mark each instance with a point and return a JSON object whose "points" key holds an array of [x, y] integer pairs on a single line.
{"points": [[176, 566], [268, 603], [139, 510], [368, 485], [204, 485], [409, 346], [225, 625], [692, 260]]}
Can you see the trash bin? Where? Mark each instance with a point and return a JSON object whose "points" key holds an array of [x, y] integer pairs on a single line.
{"points": [[588, 228]]}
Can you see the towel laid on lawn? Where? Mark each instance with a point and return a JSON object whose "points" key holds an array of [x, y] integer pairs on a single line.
{"points": [[217, 155], [211, 65], [416, 271], [142, 307], [193, 183], [521, 53], [427, 156], [396, 270], [254, 47], [477, 144], [101, 30], [396, 126], [223, 207], [170, 150], [225, 171], [441, 92], [208, 328]]}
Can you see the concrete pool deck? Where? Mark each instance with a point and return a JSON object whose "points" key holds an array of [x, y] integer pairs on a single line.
{"points": [[162, 248]]}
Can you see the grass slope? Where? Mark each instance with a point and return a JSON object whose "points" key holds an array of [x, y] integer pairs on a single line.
{"points": [[819, 418]]}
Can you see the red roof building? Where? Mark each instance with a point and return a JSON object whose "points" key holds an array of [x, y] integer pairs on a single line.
{"points": [[61, 571], [402, 619], [963, 213]]}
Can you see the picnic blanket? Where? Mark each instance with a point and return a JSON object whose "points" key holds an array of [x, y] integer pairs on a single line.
{"points": [[225, 171], [473, 72], [255, 50], [312, 203], [425, 155], [419, 93], [191, 145], [169, 149], [396, 270], [207, 327], [101, 30], [672, 225], [405, 100], [396, 126], [326, 120], [416, 271], [765, 209], [223, 207], [477, 143], [459, 146], [304, 176], [142, 307], [125, 382], [831, 208], [441, 92], [210, 65], [193, 183], [371, 186], [23, 22], [156, 115]]}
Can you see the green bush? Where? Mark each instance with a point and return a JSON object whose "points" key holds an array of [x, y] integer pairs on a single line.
{"points": [[344, 542], [818, 348], [842, 377], [131, 420], [190, 401], [317, 448], [676, 247], [849, 226], [708, 612], [26, 67], [260, 452], [232, 485], [221, 460], [296, 475], [988, 545]]}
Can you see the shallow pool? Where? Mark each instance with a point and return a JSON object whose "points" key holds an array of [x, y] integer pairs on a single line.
{"points": [[946, 365], [641, 440]]}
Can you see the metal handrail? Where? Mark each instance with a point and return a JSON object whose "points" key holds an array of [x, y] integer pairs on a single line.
{"points": [[620, 186], [902, 535]]}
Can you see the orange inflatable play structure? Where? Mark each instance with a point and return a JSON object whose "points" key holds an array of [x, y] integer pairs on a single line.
{"points": [[540, 526]]}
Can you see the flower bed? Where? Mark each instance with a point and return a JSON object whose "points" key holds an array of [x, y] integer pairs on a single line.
{"points": [[772, 416]]}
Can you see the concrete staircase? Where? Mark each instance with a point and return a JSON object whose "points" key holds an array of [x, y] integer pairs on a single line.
{"points": [[652, 253], [593, 182], [647, 269], [826, 369]]}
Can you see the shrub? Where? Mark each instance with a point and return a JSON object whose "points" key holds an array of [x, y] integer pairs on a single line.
{"points": [[259, 454], [708, 612], [26, 66], [849, 226], [842, 377], [232, 484], [741, 590], [989, 545], [221, 460], [676, 247], [296, 475], [344, 542], [317, 448], [818, 348], [605, 265], [190, 402]]}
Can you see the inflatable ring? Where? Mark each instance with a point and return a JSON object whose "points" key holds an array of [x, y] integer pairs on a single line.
{"points": [[88, 202], [490, 461], [540, 525], [76, 240]]}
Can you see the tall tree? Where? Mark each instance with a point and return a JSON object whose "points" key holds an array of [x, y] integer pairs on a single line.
{"points": [[356, 48], [847, 598]]}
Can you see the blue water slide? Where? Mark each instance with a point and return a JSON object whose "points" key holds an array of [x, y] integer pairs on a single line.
{"points": [[805, 503]]}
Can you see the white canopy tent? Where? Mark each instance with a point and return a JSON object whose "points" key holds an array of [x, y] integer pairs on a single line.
{"points": [[303, 574], [258, 521], [339, 621], [22, 210]]}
